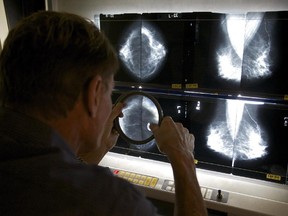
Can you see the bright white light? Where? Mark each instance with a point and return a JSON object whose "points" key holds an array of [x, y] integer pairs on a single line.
{"points": [[178, 109], [228, 69], [236, 31], [198, 107], [148, 126], [234, 114], [257, 149], [241, 30], [219, 141]]}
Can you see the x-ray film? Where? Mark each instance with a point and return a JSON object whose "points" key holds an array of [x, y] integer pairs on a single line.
{"points": [[139, 112], [232, 136], [210, 52]]}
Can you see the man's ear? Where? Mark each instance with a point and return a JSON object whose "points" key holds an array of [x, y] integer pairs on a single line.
{"points": [[94, 93]]}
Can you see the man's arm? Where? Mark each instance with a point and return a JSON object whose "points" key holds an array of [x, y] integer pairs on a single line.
{"points": [[178, 144]]}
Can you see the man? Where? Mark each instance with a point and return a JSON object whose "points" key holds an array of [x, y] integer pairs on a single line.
{"points": [[56, 78]]}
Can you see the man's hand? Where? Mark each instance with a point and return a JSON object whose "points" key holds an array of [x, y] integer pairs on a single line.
{"points": [[110, 134], [177, 143], [108, 140], [172, 138]]}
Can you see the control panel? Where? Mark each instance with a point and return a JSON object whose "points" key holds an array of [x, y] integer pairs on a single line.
{"points": [[168, 185], [227, 193], [136, 178]]}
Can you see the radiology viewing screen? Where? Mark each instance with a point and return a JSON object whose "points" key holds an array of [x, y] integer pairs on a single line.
{"points": [[264, 63], [150, 47], [223, 76], [232, 136], [214, 52]]}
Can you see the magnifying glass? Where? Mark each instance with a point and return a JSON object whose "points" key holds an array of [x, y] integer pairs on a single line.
{"points": [[141, 109]]}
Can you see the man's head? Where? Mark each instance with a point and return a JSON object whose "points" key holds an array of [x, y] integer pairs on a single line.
{"points": [[59, 68], [48, 61]]}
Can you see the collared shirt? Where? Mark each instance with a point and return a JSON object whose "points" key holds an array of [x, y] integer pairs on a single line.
{"points": [[40, 175]]}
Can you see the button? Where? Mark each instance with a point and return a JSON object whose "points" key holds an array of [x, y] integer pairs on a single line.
{"points": [[169, 188], [208, 194], [135, 181], [171, 183], [147, 181], [137, 178], [203, 191], [153, 182], [121, 173]]}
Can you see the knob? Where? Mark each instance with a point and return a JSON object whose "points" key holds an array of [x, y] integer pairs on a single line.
{"points": [[219, 195]]}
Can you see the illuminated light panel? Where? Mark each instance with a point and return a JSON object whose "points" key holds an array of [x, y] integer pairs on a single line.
{"points": [[240, 136], [198, 106], [143, 52], [236, 25], [178, 109], [234, 113], [242, 59]]}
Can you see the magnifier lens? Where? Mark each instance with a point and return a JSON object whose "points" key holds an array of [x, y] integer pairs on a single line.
{"points": [[140, 111]]}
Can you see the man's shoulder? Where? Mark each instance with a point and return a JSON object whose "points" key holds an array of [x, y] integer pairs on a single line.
{"points": [[106, 191], [99, 181], [89, 189]]}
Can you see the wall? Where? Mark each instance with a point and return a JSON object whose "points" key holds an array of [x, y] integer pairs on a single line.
{"points": [[14, 10], [3, 23], [89, 8]]}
